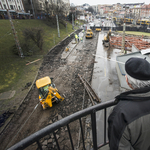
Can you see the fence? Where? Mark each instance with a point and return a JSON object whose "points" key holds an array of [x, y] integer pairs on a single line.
{"points": [[65, 122]]}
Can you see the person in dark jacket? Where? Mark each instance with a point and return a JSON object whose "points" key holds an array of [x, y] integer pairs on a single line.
{"points": [[129, 122]]}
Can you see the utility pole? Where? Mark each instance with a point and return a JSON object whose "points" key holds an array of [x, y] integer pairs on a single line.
{"points": [[66, 28], [112, 22], [33, 9], [149, 22], [15, 35], [58, 26], [72, 22], [123, 36], [75, 14]]}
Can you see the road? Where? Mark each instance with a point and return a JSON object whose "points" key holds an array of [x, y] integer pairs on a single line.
{"points": [[105, 80]]}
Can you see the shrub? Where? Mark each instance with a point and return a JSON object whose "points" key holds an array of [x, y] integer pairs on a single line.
{"points": [[35, 35]]}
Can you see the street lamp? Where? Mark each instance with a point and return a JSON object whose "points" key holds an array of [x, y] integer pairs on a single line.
{"points": [[123, 36], [33, 9], [72, 22]]}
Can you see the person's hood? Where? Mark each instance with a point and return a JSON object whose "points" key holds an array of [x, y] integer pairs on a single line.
{"points": [[135, 95]]}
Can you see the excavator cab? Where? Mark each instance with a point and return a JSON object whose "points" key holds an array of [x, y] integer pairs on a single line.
{"points": [[48, 93]]}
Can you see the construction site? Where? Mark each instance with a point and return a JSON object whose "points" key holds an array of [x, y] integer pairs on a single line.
{"points": [[86, 76], [139, 42]]}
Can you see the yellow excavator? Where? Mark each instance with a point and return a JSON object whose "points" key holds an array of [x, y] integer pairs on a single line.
{"points": [[48, 93], [106, 39]]}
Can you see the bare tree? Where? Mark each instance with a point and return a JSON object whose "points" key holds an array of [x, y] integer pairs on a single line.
{"points": [[35, 35], [90, 9], [59, 8]]}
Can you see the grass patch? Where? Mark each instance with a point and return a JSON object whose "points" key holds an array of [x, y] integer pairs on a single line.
{"points": [[14, 70], [135, 33]]}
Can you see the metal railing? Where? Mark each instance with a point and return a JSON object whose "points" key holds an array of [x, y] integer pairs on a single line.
{"points": [[65, 122]]}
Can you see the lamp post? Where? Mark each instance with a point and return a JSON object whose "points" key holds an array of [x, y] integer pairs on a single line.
{"points": [[33, 9], [58, 26], [123, 36], [72, 22]]}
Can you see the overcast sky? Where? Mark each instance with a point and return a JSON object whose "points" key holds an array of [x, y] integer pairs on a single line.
{"points": [[95, 2]]}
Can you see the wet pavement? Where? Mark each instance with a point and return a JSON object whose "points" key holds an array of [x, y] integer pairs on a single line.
{"points": [[105, 81], [71, 46]]}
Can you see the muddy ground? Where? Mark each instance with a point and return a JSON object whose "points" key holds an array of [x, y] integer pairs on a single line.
{"points": [[29, 118]]}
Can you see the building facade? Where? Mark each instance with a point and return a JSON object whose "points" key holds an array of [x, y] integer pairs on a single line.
{"points": [[13, 5], [39, 7], [145, 11]]}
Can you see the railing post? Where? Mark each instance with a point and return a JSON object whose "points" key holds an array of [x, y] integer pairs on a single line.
{"points": [[56, 141], [82, 134], [39, 145], [105, 113], [70, 137], [94, 134]]}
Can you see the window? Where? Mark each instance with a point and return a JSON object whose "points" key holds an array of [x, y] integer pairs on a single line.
{"points": [[4, 6], [40, 5], [19, 7], [11, 7]]}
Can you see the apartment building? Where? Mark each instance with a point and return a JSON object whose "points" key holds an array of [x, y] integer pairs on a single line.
{"points": [[39, 6], [12, 5], [95, 8], [145, 11], [67, 4]]}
